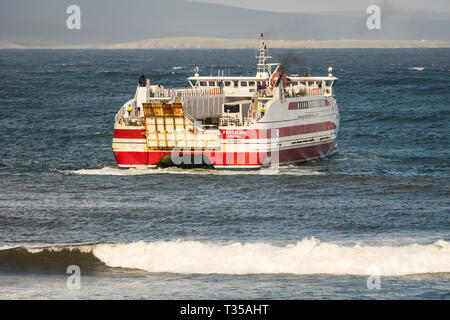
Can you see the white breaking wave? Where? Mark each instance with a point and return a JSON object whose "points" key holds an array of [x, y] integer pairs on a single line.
{"points": [[177, 68], [109, 171], [308, 256], [7, 247], [417, 68], [284, 170]]}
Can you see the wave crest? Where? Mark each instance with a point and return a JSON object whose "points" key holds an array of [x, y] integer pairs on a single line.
{"points": [[309, 256]]}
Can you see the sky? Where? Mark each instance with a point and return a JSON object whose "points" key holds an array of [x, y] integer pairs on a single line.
{"points": [[44, 22], [335, 5]]}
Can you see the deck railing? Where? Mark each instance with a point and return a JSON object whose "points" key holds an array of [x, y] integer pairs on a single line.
{"points": [[234, 91]]}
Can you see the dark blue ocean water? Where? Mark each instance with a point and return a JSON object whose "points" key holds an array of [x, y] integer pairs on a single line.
{"points": [[380, 206]]}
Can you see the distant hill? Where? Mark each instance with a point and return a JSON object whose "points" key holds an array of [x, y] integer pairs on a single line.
{"points": [[221, 43], [218, 43], [43, 23]]}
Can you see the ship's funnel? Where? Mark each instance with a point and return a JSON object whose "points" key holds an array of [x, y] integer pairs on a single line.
{"points": [[142, 81]]}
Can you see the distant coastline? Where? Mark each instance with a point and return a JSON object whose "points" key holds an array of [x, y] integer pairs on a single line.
{"points": [[219, 43]]}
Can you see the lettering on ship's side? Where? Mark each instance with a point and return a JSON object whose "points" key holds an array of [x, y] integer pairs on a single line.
{"points": [[307, 116]]}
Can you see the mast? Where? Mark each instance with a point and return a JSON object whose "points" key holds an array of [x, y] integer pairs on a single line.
{"points": [[263, 68]]}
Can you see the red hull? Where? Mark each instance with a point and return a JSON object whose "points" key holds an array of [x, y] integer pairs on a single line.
{"points": [[243, 159]]}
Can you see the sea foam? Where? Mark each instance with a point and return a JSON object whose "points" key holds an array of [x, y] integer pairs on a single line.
{"points": [[282, 170], [308, 256], [417, 68]]}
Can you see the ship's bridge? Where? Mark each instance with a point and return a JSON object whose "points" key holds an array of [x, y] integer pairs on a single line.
{"points": [[250, 86]]}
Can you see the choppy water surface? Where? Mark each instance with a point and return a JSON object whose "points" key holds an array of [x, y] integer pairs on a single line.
{"points": [[310, 231]]}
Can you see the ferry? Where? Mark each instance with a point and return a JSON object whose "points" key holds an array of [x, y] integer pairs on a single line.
{"points": [[229, 122]]}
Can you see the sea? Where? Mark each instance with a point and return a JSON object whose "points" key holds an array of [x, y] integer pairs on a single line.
{"points": [[370, 222]]}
